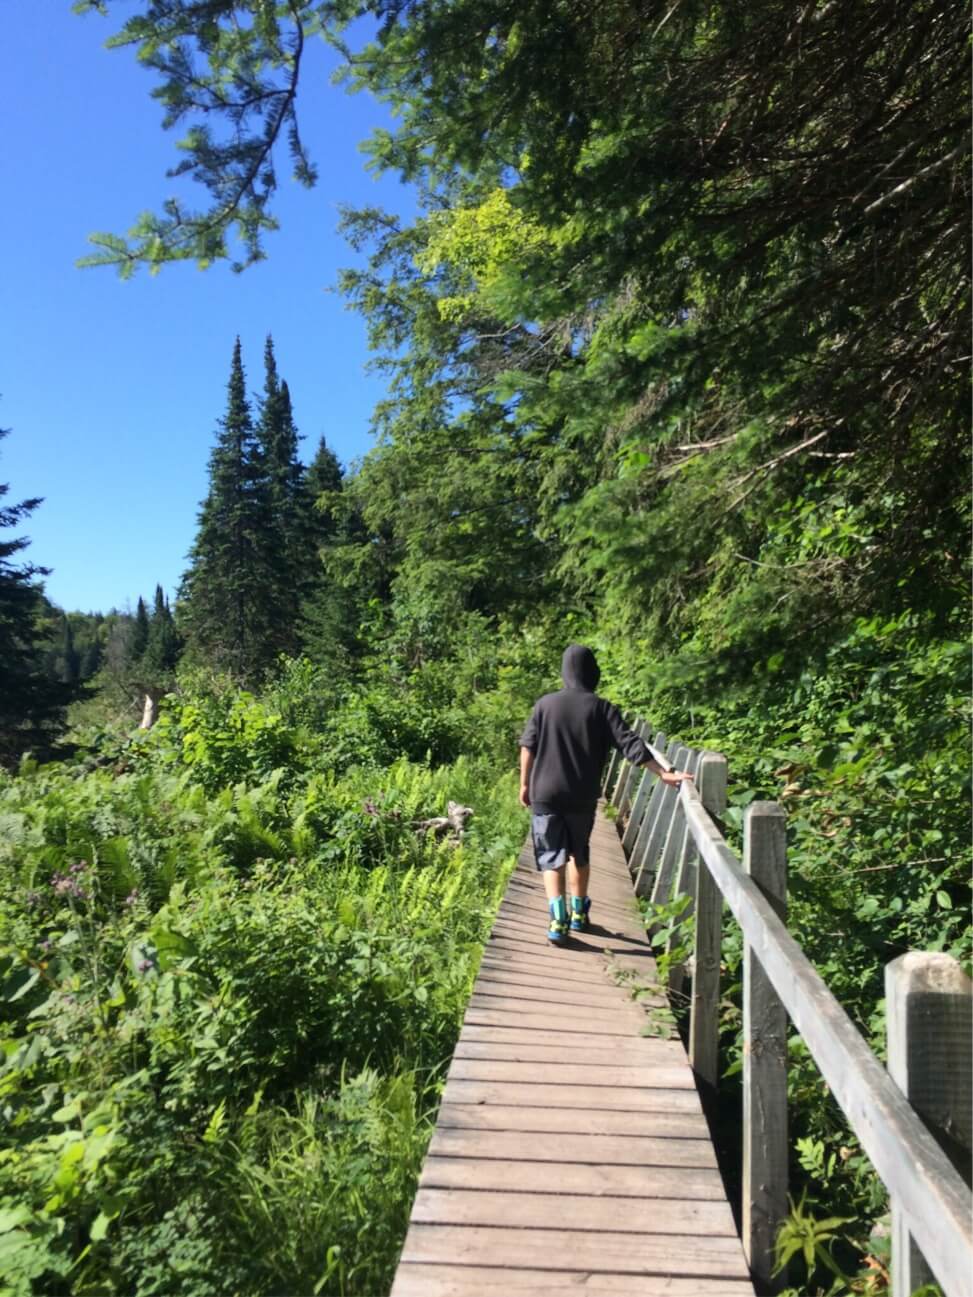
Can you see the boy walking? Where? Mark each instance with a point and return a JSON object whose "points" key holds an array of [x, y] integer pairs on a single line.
{"points": [[562, 752]]}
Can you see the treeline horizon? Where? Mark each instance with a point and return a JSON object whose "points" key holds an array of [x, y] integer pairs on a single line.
{"points": [[253, 588]]}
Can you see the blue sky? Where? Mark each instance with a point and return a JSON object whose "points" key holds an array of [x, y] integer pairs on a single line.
{"points": [[112, 389]]}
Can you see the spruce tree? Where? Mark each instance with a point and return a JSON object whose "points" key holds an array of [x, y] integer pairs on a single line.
{"points": [[284, 539], [32, 706], [68, 661], [330, 607], [91, 659], [162, 645], [324, 479], [154, 674], [140, 633], [226, 605]]}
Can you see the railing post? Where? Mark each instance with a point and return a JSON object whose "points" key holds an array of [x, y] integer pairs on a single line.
{"points": [[640, 803], [659, 829], [623, 794], [684, 875], [704, 1011], [929, 1008], [764, 1204], [665, 836], [611, 774], [642, 859]]}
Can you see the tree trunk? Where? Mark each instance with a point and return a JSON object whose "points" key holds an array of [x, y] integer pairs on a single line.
{"points": [[150, 709]]}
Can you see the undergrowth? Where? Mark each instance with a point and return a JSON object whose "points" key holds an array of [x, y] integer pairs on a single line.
{"points": [[233, 970]]}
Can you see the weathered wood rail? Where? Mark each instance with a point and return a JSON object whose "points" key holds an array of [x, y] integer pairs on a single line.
{"points": [[913, 1121]]}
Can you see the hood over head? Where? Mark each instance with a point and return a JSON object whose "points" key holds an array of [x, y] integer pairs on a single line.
{"points": [[579, 670]]}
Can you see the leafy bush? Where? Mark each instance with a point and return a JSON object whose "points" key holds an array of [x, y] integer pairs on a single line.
{"points": [[232, 971], [866, 746]]}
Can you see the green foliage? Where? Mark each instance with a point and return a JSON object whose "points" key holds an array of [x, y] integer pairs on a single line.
{"points": [[865, 743], [671, 926], [32, 705], [248, 70], [232, 971], [809, 1237]]}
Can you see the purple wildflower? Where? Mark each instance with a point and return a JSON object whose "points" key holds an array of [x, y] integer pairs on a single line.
{"points": [[68, 885], [132, 897], [144, 965], [32, 900], [46, 946]]}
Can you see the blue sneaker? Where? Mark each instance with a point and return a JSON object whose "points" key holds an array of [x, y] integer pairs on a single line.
{"points": [[580, 905], [558, 929]]}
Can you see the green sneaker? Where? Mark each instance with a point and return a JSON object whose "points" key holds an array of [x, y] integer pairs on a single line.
{"points": [[580, 905], [557, 932]]}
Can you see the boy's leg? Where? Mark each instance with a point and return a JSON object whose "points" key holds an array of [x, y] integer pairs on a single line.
{"points": [[554, 882], [578, 876], [550, 855], [579, 904], [557, 905], [579, 870]]}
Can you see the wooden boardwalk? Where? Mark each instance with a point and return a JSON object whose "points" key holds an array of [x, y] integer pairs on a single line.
{"points": [[571, 1153]]}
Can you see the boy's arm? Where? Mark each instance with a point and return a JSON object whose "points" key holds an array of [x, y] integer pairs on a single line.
{"points": [[526, 763], [635, 749]]}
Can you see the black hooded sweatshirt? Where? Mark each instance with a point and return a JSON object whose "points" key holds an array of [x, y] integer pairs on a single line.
{"points": [[570, 733]]}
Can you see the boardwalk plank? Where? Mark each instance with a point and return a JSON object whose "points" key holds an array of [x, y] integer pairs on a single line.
{"points": [[626, 1016], [599, 1097], [524, 987], [644, 1182], [576, 1212], [538, 971], [577, 954], [531, 1146], [488, 1011], [556, 1249], [478, 1069], [499, 1051], [566, 979], [497, 1116], [418, 1280]]}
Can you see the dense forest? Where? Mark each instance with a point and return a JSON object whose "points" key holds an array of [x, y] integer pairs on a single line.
{"points": [[677, 366]]}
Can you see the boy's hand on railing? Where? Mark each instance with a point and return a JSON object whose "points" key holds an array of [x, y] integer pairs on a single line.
{"points": [[674, 777]]}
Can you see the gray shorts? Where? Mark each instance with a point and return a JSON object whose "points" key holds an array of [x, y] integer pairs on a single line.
{"points": [[559, 835]]}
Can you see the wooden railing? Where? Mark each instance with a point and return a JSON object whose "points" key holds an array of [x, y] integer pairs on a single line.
{"points": [[911, 1120]]}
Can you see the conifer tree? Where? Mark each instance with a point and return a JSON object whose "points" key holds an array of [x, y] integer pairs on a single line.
{"points": [[225, 599], [283, 540], [330, 611], [32, 706], [324, 478], [279, 441], [91, 659], [162, 645], [154, 675], [140, 633], [68, 660]]}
